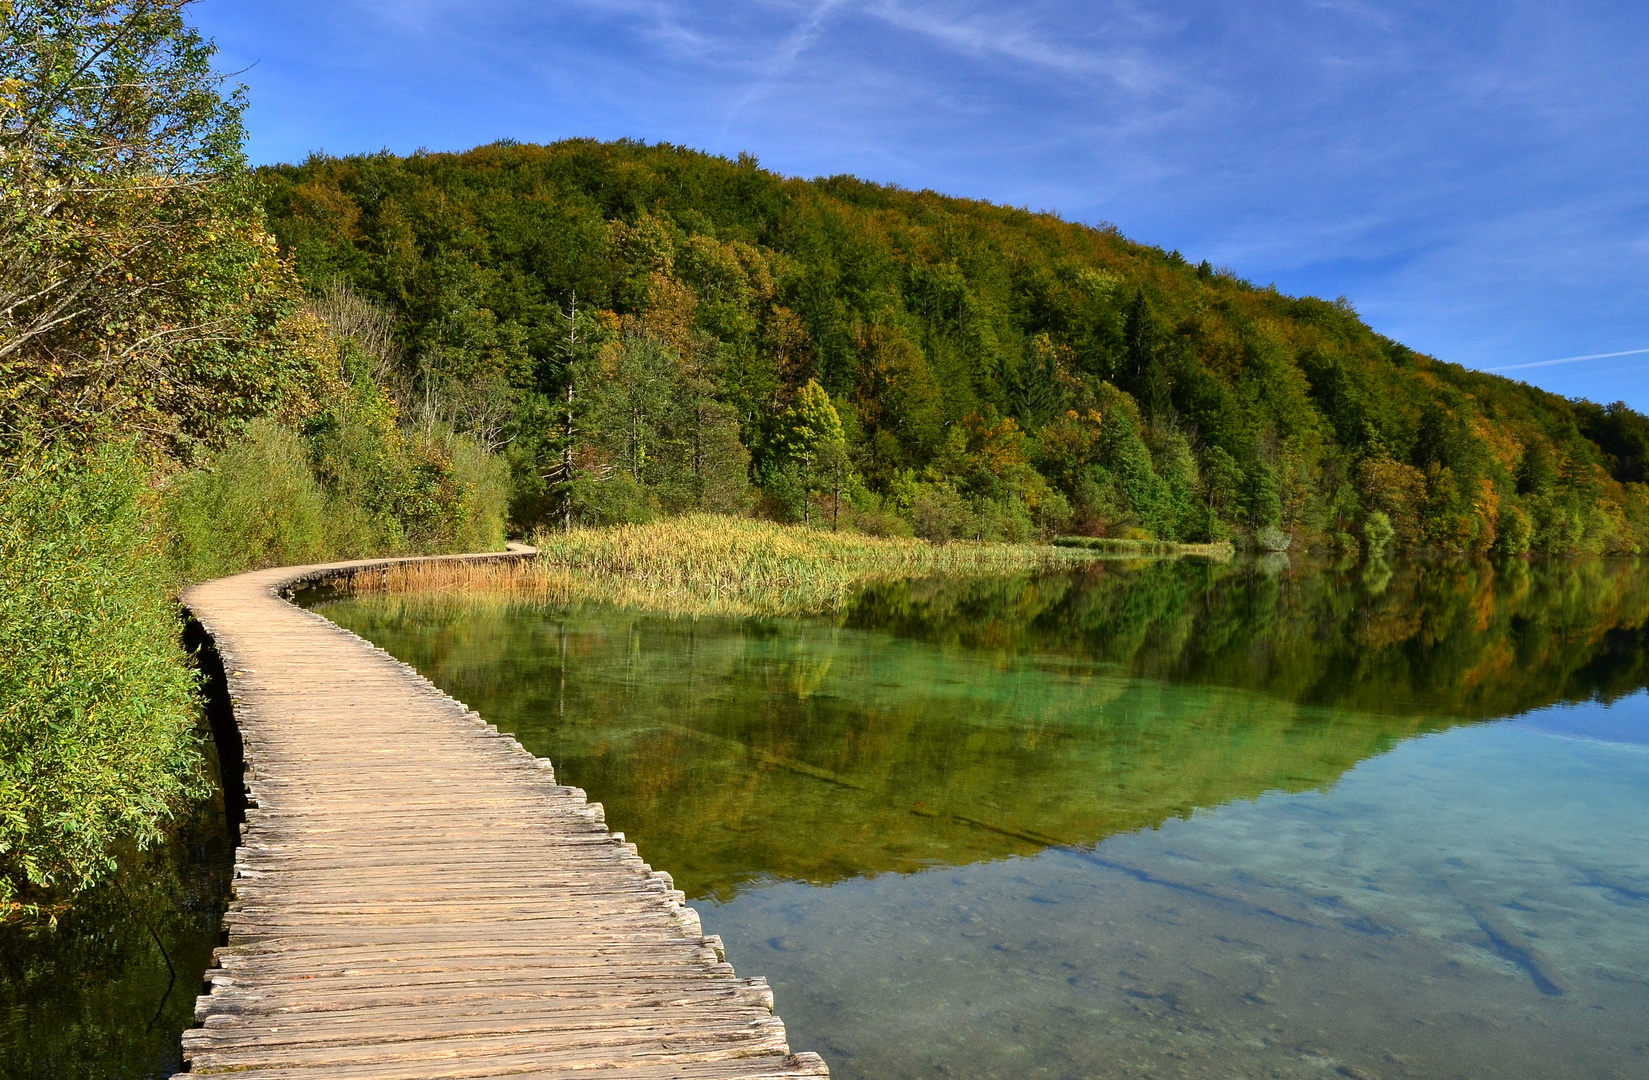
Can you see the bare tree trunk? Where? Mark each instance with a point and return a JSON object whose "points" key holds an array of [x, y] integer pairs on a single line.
{"points": [[567, 426], [836, 507], [698, 448], [567, 462]]}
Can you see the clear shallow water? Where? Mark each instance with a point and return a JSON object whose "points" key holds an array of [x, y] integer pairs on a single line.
{"points": [[1427, 917], [1169, 821]]}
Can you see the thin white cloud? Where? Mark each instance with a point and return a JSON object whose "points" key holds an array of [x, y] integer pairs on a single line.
{"points": [[1569, 360], [1017, 39], [413, 16], [784, 58], [1366, 13]]}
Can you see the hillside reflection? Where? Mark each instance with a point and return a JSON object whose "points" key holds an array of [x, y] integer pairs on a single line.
{"points": [[953, 721]]}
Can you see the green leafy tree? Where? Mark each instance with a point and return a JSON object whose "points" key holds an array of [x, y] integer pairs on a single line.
{"points": [[810, 437], [1225, 486], [1396, 490], [1378, 534], [1515, 532], [651, 434], [1126, 480], [139, 291], [1264, 496], [1176, 466]]}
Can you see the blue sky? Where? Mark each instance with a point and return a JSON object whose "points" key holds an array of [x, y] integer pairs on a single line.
{"points": [[1472, 175]]}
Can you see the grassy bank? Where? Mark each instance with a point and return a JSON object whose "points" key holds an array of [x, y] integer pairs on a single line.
{"points": [[276, 497], [706, 564]]}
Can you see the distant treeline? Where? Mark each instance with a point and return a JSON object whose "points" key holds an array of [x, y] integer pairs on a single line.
{"points": [[939, 363]]}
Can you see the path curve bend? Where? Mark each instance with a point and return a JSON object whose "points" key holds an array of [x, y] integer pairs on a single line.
{"points": [[416, 897]]}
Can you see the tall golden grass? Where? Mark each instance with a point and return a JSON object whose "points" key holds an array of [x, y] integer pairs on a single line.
{"points": [[705, 564], [1219, 550]]}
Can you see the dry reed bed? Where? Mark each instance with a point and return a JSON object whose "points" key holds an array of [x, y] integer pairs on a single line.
{"points": [[709, 565]]}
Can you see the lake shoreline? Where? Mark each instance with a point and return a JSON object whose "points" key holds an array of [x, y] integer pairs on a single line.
{"points": [[718, 565]]}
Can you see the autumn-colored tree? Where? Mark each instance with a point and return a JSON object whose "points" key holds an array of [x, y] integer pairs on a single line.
{"points": [[139, 291]]}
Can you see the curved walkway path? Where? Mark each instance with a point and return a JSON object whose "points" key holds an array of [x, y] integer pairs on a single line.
{"points": [[415, 896]]}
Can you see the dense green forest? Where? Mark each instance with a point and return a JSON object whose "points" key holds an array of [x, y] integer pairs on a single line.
{"points": [[642, 328]]}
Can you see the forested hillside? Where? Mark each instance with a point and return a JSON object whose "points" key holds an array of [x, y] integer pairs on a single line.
{"points": [[898, 359]]}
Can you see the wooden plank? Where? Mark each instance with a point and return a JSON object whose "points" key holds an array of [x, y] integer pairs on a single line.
{"points": [[417, 897]]}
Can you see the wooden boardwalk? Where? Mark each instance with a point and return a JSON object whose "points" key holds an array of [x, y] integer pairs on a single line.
{"points": [[415, 896]]}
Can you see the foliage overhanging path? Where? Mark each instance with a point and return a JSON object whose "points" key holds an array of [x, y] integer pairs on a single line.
{"points": [[416, 896]]}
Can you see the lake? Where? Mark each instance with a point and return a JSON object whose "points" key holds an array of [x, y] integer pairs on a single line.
{"points": [[1171, 819]]}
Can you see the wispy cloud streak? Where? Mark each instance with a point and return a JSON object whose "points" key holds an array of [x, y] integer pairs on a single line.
{"points": [[1568, 360], [784, 59]]}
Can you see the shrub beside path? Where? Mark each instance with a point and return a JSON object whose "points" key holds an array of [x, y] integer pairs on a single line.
{"points": [[415, 896]]}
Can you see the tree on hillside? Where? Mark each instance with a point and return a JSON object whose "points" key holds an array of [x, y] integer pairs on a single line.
{"points": [[809, 439], [650, 434]]}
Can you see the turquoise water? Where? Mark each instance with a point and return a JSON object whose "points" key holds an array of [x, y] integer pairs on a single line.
{"points": [[1473, 903], [1157, 821]]}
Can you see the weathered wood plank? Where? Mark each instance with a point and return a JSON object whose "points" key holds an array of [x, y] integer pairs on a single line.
{"points": [[417, 897], [526, 1068]]}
